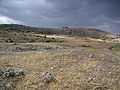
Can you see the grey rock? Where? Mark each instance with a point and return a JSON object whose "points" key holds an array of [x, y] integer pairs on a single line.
{"points": [[11, 73], [91, 79], [109, 73], [8, 86], [18, 72], [91, 56], [47, 77], [7, 73]]}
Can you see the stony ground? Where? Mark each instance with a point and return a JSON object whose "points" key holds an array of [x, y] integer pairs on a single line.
{"points": [[18, 49], [73, 67]]}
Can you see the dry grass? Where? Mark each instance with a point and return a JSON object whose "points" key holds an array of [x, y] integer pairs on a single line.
{"points": [[73, 68]]}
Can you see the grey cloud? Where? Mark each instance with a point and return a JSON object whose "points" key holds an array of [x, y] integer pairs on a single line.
{"points": [[101, 14], [67, 5]]}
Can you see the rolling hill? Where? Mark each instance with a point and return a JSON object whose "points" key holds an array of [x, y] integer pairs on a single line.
{"points": [[83, 32], [76, 58]]}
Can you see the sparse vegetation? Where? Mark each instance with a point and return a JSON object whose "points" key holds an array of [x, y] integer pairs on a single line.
{"points": [[116, 47], [83, 32], [57, 61]]}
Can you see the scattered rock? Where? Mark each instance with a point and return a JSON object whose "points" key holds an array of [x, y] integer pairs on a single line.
{"points": [[24, 48], [66, 86], [8, 86], [8, 72], [91, 56], [18, 72], [109, 73], [47, 77], [100, 67], [101, 88], [9, 78], [116, 40], [91, 79], [52, 68], [114, 59]]}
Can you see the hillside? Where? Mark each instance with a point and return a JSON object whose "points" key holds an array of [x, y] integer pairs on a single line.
{"points": [[82, 32], [33, 58]]}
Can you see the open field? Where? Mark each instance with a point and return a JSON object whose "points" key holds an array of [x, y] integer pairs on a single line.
{"points": [[77, 60], [76, 63]]}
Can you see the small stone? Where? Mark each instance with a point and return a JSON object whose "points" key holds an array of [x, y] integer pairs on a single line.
{"points": [[18, 72], [66, 86], [91, 56], [47, 77], [109, 73], [51, 67], [7, 86], [90, 79]]}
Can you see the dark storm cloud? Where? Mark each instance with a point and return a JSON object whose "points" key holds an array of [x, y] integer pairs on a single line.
{"points": [[101, 14]]}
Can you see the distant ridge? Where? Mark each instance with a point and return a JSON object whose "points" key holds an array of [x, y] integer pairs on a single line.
{"points": [[83, 32]]}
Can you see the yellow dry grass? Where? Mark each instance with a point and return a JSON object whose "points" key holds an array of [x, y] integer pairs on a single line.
{"points": [[52, 36], [71, 67]]}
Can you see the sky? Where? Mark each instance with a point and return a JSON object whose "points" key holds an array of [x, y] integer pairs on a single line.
{"points": [[100, 14]]}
